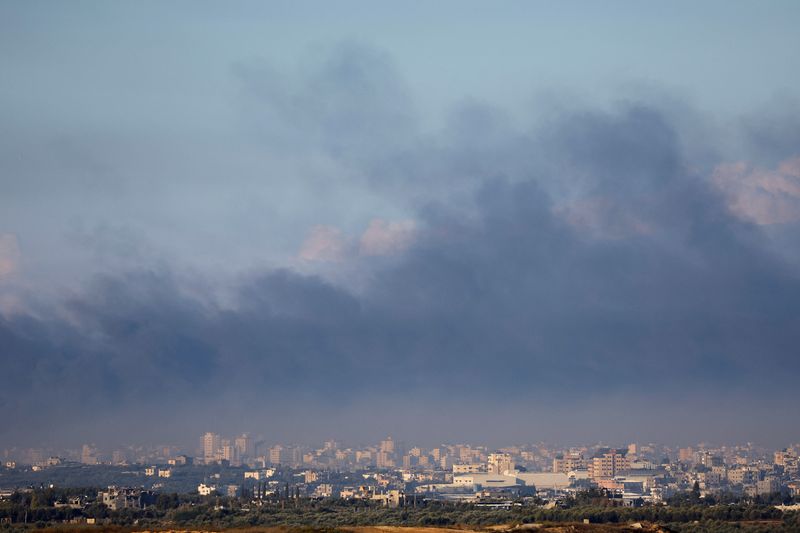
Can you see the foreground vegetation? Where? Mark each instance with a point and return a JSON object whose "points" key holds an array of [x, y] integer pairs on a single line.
{"points": [[31, 510]]}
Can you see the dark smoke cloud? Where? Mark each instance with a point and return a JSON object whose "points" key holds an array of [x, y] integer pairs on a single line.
{"points": [[583, 264]]}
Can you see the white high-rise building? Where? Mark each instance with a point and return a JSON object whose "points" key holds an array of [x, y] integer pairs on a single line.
{"points": [[211, 445]]}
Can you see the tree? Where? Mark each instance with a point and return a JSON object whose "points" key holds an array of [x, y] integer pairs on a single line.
{"points": [[696, 491]]}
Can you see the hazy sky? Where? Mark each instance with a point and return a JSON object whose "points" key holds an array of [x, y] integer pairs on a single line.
{"points": [[440, 220]]}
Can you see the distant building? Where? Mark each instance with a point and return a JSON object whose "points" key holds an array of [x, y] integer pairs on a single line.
{"points": [[387, 445], [212, 443], [608, 463], [538, 480], [116, 498], [768, 485], [446, 462], [119, 457], [789, 460], [259, 474], [180, 460], [384, 460], [277, 455], [467, 469], [244, 447], [206, 490], [567, 463], [89, 455], [549, 480], [742, 476], [485, 480], [392, 498], [708, 459], [324, 490], [386, 454], [500, 463], [363, 456], [227, 452], [686, 455]]}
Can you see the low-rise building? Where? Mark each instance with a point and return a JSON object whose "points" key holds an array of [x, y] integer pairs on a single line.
{"points": [[468, 468], [206, 490], [324, 490], [116, 498], [259, 474]]}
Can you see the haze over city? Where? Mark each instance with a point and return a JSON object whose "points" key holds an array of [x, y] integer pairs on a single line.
{"points": [[518, 222]]}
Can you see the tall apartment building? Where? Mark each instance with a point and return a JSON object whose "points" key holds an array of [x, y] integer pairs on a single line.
{"points": [[295, 455], [244, 446], [466, 454], [500, 463], [387, 445], [608, 463], [742, 476], [364, 456], [277, 455], [344, 455], [384, 460], [227, 452], [686, 455], [565, 464], [445, 462], [788, 459], [386, 454], [211, 445], [708, 459]]}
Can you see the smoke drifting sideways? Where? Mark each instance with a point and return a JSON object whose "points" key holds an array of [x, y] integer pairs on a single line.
{"points": [[590, 274]]}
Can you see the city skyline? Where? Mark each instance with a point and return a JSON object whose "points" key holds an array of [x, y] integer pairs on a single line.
{"points": [[212, 448], [235, 480], [392, 471]]}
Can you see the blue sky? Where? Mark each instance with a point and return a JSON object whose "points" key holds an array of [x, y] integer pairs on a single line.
{"points": [[729, 56], [351, 200]]}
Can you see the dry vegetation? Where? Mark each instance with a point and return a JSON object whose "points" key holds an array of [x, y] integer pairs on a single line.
{"points": [[548, 528]]}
